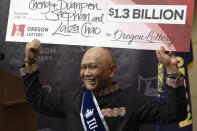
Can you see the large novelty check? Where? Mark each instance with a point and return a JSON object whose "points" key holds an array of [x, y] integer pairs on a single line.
{"points": [[136, 24]]}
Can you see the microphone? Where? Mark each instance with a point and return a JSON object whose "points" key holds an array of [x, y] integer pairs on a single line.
{"points": [[2, 56]]}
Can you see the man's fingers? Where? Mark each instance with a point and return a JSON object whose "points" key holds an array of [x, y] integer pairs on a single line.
{"points": [[158, 53], [36, 41], [162, 50], [170, 53], [32, 49], [33, 46]]}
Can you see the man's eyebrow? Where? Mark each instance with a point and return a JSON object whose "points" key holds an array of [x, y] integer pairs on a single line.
{"points": [[83, 64], [89, 64]]}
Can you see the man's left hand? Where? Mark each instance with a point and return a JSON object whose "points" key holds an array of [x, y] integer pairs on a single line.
{"points": [[168, 60]]}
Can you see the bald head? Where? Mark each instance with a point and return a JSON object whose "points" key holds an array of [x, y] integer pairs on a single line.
{"points": [[97, 68], [100, 54]]}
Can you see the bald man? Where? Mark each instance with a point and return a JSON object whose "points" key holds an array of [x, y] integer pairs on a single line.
{"points": [[101, 105]]}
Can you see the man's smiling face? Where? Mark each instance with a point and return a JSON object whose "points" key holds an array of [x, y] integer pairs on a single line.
{"points": [[95, 69]]}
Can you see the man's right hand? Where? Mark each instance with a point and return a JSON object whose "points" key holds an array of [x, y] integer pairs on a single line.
{"points": [[32, 50]]}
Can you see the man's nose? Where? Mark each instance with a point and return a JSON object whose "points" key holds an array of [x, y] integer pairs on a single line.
{"points": [[87, 72]]}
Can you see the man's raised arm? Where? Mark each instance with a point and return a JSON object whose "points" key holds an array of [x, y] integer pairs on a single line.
{"points": [[40, 99]]}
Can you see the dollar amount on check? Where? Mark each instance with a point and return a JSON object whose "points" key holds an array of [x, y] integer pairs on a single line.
{"points": [[166, 14]]}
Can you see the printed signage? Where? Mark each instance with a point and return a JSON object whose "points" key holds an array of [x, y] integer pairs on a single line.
{"points": [[134, 24]]}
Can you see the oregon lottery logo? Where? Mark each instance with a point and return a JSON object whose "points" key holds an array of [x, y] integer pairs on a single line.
{"points": [[18, 30]]}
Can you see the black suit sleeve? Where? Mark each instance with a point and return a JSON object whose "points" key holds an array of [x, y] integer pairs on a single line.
{"points": [[174, 109], [52, 103]]}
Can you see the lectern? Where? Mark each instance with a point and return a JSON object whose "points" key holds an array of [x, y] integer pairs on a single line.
{"points": [[15, 113]]}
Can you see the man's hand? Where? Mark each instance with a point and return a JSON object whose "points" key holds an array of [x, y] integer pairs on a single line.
{"points": [[168, 60], [32, 50]]}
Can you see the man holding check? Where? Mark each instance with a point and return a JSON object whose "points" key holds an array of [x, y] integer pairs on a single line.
{"points": [[101, 105]]}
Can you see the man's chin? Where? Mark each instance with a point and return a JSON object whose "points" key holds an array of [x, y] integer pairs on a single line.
{"points": [[88, 87]]}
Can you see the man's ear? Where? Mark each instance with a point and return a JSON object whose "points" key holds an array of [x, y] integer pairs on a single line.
{"points": [[113, 70]]}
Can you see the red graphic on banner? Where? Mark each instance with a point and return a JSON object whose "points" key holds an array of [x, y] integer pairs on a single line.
{"points": [[18, 30]]}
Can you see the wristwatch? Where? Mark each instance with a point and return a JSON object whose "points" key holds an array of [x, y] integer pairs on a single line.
{"points": [[175, 79], [178, 75]]}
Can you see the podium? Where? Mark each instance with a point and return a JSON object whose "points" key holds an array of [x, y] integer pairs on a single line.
{"points": [[15, 113]]}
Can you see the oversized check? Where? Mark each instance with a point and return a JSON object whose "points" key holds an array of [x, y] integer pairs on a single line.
{"points": [[135, 24]]}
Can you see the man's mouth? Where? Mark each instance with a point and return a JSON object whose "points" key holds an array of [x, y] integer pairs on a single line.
{"points": [[90, 81]]}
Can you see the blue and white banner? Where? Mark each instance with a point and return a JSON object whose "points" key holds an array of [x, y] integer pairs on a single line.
{"points": [[91, 115]]}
